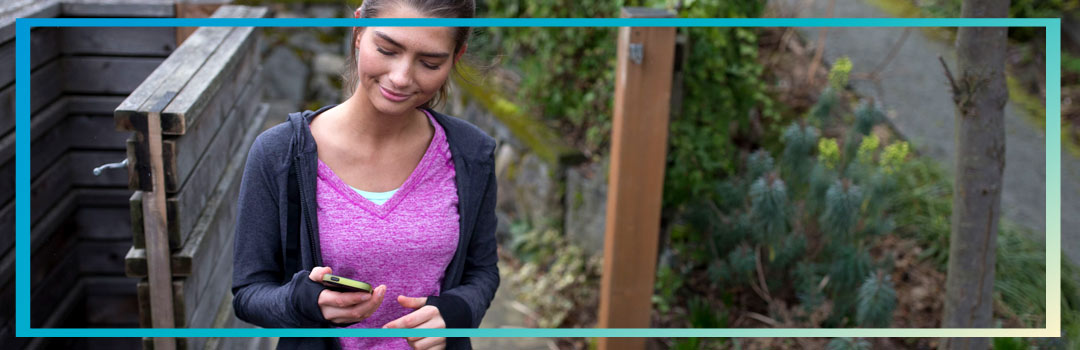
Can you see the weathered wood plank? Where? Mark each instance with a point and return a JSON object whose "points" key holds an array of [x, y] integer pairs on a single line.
{"points": [[171, 205], [47, 119], [7, 284], [42, 49], [208, 299], [214, 227], [118, 8], [186, 205], [143, 293], [47, 188], [103, 223], [102, 257], [7, 108], [205, 143], [95, 132], [197, 47], [111, 302], [7, 186], [46, 85], [24, 9], [118, 41], [48, 137], [106, 75], [45, 299], [7, 227], [92, 105], [41, 232], [188, 106]]}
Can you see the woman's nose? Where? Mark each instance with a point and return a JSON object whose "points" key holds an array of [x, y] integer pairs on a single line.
{"points": [[400, 75]]}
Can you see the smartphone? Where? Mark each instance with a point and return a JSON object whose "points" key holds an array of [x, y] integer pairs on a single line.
{"points": [[342, 284]]}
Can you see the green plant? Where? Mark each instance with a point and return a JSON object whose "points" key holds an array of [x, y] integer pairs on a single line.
{"points": [[877, 300], [722, 90], [566, 74], [557, 287]]}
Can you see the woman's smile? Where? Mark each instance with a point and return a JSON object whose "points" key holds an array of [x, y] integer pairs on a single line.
{"points": [[393, 96]]}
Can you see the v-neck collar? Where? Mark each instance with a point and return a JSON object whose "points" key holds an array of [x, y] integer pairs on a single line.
{"points": [[417, 175]]}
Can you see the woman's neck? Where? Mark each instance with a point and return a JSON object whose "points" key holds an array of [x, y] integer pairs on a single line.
{"points": [[362, 123]]}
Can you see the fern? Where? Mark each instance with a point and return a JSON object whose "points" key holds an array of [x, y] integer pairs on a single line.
{"points": [[768, 208], [842, 202], [877, 300], [821, 112], [799, 143], [758, 164], [866, 116], [742, 262]]}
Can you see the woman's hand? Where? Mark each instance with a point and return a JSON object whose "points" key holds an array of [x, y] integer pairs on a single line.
{"points": [[349, 307], [425, 316]]}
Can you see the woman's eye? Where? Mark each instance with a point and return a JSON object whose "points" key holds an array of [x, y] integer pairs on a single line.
{"points": [[384, 52], [430, 66]]}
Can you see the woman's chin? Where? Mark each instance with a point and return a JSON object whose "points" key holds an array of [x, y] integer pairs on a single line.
{"points": [[388, 107]]}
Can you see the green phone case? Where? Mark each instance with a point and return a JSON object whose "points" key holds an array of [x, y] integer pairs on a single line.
{"points": [[342, 284]]}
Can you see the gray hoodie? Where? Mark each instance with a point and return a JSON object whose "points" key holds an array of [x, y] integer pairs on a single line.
{"points": [[267, 295]]}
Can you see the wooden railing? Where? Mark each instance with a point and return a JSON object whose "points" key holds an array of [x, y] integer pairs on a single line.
{"points": [[206, 97]]}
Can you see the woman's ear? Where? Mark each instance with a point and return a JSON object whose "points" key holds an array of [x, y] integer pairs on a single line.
{"points": [[461, 52]]}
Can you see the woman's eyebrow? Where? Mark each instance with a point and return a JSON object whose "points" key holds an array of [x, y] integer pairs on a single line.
{"points": [[395, 43]]}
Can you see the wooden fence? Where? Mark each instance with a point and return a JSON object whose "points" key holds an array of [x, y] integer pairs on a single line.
{"points": [[206, 97], [86, 229], [79, 233]]}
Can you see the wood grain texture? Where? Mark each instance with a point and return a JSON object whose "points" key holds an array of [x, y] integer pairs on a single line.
{"points": [[638, 146], [118, 41], [213, 233], [105, 74], [173, 73], [118, 8]]}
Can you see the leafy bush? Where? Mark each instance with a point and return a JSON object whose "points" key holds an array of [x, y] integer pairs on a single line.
{"points": [[780, 231]]}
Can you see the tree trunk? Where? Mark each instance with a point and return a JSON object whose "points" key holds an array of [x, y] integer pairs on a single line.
{"points": [[980, 94]]}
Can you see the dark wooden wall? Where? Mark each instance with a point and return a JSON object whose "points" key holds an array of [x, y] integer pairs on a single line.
{"points": [[80, 223]]}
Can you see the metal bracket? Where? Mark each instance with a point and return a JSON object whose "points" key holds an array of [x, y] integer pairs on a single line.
{"points": [[637, 52]]}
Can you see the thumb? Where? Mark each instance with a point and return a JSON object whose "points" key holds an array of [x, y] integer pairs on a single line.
{"points": [[318, 272], [410, 302]]}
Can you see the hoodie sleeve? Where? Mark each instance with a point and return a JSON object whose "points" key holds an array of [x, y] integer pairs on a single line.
{"points": [[264, 295]]}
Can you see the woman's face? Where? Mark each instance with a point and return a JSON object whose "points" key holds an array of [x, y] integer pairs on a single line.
{"points": [[401, 68]]}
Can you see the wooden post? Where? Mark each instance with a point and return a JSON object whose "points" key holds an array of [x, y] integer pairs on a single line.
{"points": [[155, 223], [638, 148]]}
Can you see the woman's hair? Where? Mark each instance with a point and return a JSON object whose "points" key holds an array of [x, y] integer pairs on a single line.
{"points": [[430, 8]]}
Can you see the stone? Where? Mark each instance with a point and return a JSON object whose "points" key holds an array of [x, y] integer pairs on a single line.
{"points": [[328, 64], [537, 193], [586, 206], [285, 76]]}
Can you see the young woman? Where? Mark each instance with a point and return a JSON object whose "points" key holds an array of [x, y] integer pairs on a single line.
{"points": [[381, 189]]}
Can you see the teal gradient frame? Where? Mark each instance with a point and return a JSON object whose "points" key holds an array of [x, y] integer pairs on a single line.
{"points": [[1053, 177]]}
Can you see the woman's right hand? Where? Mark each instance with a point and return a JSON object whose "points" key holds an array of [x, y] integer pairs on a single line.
{"points": [[349, 307]]}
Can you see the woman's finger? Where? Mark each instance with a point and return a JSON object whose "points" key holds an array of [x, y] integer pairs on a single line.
{"points": [[428, 343], [317, 273]]}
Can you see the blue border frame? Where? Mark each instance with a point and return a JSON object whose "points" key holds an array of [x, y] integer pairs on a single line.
{"points": [[1053, 176]]}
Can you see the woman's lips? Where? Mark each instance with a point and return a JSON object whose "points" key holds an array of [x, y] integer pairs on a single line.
{"points": [[392, 96]]}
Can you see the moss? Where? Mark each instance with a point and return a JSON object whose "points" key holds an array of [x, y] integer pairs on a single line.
{"points": [[540, 138], [906, 9]]}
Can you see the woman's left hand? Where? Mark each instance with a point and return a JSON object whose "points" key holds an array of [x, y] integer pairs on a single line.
{"points": [[425, 316]]}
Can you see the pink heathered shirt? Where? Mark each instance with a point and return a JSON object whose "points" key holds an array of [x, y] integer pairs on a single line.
{"points": [[405, 243]]}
